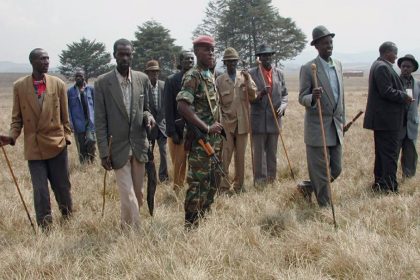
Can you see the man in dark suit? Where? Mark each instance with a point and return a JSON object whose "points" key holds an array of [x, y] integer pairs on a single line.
{"points": [[386, 115], [269, 80], [157, 108], [331, 95]]}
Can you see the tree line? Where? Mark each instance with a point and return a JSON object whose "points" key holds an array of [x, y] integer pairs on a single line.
{"points": [[241, 24]]}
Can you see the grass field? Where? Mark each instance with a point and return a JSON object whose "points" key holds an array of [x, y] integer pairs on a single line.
{"points": [[265, 233]]}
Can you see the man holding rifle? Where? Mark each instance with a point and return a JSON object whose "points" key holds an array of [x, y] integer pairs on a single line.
{"points": [[197, 105]]}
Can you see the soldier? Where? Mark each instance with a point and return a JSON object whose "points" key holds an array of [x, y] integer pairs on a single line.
{"points": [[236, 89], [197, 105]]}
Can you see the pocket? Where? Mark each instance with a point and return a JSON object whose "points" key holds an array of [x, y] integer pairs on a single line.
{"points": [[226, 98]]}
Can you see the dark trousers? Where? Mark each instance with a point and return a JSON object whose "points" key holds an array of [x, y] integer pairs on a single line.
{"points": [[56, 171], [408, 157], [86, 149], [163, 167], [386, 159], [265, 156]]}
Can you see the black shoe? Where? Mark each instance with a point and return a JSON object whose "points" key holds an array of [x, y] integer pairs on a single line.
{"points": [[305, 188], [191, 220]]}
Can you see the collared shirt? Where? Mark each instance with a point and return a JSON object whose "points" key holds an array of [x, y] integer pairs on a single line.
{"points": [[330, 70], [125, 84], [268, 77], [40, 87], [155, 95]]}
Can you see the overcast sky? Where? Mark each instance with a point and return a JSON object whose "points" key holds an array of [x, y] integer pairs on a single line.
{"points": [[360, 25]]}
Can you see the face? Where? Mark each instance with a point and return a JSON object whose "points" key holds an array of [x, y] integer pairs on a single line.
{"points": [[391, 56], [123, 57], [231, 65], [187, 61], [324, 47], [79, 78], [407, 67], [153, 76], [266, 59], [205, 55], [41, 62]]}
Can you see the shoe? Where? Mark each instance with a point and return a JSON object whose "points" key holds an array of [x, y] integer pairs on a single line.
{"points": [[305, 188], [239, 190]]}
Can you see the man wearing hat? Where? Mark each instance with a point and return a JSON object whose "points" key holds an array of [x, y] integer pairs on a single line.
{"points": [[408, 65], [236, 89], [157, 108], [386, 115], [269, 80], [197, 105], [331, 95]]}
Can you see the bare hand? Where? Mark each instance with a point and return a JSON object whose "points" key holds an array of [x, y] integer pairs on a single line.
{"points": [[150, 122], [279, 112], [408, 99], [316, 93], [215, 128], [245, 74], [5, 140], [106, 163], [265, 91]]}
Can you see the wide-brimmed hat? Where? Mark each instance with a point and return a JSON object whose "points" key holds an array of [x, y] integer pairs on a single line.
{"points": [[204, 40], [152, 65], [230, 54], [410, 58], [320, 32], [264, 49]]}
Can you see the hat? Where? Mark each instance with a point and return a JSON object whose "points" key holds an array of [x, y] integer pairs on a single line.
{"points": [[410, 58], [320, 32], [263, 49], [152, 65], [204, 40], [230, 54]]}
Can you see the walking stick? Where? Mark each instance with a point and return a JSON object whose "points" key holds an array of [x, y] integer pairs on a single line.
{"points": [[324, 141], [276, 122], [106, 172], [18, 189]]}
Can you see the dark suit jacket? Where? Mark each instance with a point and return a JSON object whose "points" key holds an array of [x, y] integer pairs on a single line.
{"points": [[172, 86], [262, 120], [111, 118], [413, 112], [385, 109], [159, 111]]}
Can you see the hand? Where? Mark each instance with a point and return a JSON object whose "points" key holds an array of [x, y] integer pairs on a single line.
{"points": [[215, 128], [176, 139], [280, 112], [408, 99], [316, 93], [263, 92], [5, 140], [245, 74], [150, 122], [106, 163]]}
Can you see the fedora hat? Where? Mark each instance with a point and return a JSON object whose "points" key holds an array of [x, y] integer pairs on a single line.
{"points": [[320, 32], [264, 49], [230, 54], [152, 65], [410, 58]]}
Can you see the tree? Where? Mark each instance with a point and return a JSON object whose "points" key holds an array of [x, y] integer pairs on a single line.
{"points": [[153, 41], [87, 55]]}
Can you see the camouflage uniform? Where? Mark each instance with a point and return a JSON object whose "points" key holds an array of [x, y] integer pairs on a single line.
{"points": [[202, 176]]}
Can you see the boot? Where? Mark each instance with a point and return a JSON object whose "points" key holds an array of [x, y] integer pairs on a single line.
{"points": [[191, 220]]}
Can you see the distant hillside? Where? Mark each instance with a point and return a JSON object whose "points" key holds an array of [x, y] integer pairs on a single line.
{"points": [[12, 67]]}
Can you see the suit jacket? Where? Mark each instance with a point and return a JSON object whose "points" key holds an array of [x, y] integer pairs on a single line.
{"points": [[45, 130], [234, 102], [262, 120], [413, 112], [159, 111], [111, 118], [76, 113], [333, 112], [172, 86], [385, 108]]}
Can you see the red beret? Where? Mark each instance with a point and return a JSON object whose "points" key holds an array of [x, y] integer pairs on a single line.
{"points": [[204, 40]]}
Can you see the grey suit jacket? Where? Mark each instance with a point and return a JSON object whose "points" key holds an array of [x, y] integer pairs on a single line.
{"points": [[111, 118], [159, 111], [262, 120], [333, 113], [413, 113]]}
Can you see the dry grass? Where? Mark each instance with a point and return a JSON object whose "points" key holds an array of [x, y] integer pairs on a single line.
{"points": [[267, 233]]}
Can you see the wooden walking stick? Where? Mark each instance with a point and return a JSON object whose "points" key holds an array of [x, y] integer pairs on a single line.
{"points": [[18, 189], [324, 141], [276, 122], [106, 172]]}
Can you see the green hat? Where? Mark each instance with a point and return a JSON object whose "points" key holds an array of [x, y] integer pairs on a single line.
{"points": [[320, 32], [230, 54]]}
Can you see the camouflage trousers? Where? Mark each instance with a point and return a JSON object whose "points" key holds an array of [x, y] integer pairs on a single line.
{"points": [[203, 177]]}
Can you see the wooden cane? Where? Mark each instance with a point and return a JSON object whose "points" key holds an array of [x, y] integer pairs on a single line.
{"points": [[276, 122], [18, 189], [324, 142], [106, 172]]}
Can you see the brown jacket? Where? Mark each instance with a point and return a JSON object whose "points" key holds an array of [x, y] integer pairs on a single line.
{"points": [[45, 130], [235, 102]]}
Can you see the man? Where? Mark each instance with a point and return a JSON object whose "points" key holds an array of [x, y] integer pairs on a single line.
{"points": [[81, 113], [174, 122], [197, 105], [386, 115], [269, 80], [122, 111], [40, 108], [236, 89], [408, 64], [157, 108], [330, 93]]}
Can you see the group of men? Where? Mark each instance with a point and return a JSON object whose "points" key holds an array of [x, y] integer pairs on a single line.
{"points": [[206, 117]]}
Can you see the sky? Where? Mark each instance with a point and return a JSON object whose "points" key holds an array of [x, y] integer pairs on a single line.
{"points": [[359, 25]]}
